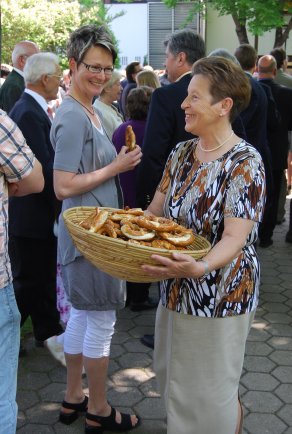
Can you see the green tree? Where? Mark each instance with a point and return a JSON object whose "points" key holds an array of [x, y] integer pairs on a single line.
{"points": [[48, 23], [95, 12], [256, 16]]}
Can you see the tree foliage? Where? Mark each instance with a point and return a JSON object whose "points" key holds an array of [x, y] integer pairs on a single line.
{"points": [[256, 16], [48, 23]]}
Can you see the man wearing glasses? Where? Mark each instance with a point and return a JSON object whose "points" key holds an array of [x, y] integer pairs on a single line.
{"points": [[13, 86], [32, 244]]}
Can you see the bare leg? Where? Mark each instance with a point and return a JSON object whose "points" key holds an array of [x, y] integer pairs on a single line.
{"points": [[96, 370], [239, 418], [74, 392]]}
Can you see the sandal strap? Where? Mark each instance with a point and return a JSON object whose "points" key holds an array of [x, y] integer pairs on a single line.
{"points": [[81, 406], [109, 422]]}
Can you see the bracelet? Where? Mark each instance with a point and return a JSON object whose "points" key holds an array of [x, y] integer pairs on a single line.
{"points": [[206, 265]]}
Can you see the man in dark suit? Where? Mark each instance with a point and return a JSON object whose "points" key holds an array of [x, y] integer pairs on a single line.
{"points": [[131, 71], [166, 120], [13, 86], [32, 245], [258, 118], [166, 123], [278, 138]]}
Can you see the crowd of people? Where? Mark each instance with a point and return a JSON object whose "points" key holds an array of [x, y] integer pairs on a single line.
{"points": [[214, 153]]}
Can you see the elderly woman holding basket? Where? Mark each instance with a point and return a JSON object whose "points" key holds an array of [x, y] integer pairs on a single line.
{"points": [[215, 185]]}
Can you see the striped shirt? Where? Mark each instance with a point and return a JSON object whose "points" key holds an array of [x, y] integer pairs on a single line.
{"points": [[16, 162]]}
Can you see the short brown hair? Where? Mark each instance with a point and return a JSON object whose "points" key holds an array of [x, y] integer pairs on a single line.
{"points": [[227, 80], [247, 56], [280, 55], [138, 102], [85, 37]]}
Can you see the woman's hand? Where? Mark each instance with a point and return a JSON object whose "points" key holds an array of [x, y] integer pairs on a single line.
{"points": [[127, 160], [180, 265]]}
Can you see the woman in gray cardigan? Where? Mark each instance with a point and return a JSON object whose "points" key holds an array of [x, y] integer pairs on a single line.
{"points": [[86, 172]]}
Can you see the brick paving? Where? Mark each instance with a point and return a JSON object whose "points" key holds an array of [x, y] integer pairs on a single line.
{"points": [[266, 383]]}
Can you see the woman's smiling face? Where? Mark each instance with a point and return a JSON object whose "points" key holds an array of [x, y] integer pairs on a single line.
{"points": [[200, 110], [91, 83]]}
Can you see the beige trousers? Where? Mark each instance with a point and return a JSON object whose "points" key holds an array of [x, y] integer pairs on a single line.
{"points": [[198, 363]]}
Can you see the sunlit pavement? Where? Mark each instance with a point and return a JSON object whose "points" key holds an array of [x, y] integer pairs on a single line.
{"points": [[266, 383]]}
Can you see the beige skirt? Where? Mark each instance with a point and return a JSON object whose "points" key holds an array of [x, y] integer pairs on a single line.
{"points": [[198, 363]]}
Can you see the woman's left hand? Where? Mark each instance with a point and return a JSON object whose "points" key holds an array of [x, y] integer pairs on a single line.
{"points": [[180, 265]]}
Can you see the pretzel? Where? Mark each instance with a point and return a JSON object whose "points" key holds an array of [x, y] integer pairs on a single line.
{"points": [[130, 138], [180, 237], [95, 220], [108, 229], [159, 224], [163, 244], [131, 230], [116, 217]]}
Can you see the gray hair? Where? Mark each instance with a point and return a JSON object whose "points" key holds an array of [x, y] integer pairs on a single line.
{"points": [[222, 52], [89, 36], [39, 64], [20, 49], [186, 41], [116, 75]]}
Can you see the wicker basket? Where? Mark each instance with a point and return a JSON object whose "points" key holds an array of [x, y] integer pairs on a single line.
{"points": [[116, 256]]}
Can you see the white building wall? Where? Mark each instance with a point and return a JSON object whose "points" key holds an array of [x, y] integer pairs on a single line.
{"points": [[220, 33], [131, 30]]}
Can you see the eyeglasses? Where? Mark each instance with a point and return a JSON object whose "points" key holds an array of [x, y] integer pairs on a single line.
{"points": [[59, 77], [98, 69]]}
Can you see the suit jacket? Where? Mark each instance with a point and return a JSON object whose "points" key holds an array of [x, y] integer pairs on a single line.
{"points": [[33, 216], [165, 128], [278, 138], [11, 90]]}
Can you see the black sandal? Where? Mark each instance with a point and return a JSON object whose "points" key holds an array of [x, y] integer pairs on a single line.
{"points": [[109, 423], [68, 418]]}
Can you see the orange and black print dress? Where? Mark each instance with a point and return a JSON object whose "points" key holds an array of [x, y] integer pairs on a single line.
{"points": [[200, 196]]}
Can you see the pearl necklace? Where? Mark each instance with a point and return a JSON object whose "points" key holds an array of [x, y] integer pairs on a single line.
{"points": [[217, 147], [89, 111]]}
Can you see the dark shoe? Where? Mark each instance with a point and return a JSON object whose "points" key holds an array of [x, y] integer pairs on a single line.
{"points": [[288, 237], [22, 350], [266, 243], [148, 340], [38, 343], [109, 423], [68, 418], [149, 303]]}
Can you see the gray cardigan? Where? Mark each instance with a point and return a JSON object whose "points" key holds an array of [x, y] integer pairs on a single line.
{"points": [[81, 148]]}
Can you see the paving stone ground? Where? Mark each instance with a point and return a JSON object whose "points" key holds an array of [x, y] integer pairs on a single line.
{"points": [[266, 382]]}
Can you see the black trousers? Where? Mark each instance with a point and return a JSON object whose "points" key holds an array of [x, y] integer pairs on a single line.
{"points": [[33, 263], [137, 292], [270, 215]]}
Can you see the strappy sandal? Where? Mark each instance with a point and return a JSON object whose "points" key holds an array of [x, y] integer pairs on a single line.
{"points": [[68, 418], [109, 423]]}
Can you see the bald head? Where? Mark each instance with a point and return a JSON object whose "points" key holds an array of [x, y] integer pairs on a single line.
{"points": [[267, 66], [22, 51]]}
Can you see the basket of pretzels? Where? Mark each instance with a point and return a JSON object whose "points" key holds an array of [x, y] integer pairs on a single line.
{"points": [[119, 241]]}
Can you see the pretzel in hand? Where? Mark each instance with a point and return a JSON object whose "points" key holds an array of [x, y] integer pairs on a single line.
{"points": [[130, 138]]}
